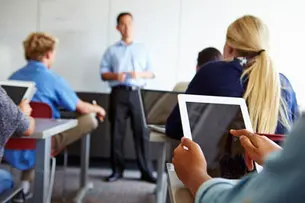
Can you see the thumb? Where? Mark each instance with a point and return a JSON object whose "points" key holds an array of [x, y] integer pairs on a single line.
{"points": [[187, 143]]}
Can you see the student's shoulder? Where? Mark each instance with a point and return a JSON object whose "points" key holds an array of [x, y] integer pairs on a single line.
{"points": [[285, 83], [284, 79], [17, 73], [2, 94], [222, 67], [54, 78]]}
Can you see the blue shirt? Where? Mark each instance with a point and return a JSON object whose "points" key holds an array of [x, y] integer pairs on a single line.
{"points": [[121, 57], [282, 179], [6, 181], [51, 88], [222, 78]]}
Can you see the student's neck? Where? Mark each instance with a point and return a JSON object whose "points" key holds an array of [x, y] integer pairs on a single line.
{"points": [[46, 64], [127, 40]]}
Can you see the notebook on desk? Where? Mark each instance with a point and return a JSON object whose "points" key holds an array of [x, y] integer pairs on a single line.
{"points": [[157, 106]]}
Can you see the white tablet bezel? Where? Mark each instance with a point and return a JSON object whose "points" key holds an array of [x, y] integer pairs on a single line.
{"points": [[183, 98], [31, 87]]}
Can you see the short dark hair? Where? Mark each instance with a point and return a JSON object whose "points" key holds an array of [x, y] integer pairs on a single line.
{"points": [[207, 55], [122, 15]]}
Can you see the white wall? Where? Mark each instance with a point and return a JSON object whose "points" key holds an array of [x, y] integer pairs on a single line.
{"points": [[173, 30], [15, 25]]}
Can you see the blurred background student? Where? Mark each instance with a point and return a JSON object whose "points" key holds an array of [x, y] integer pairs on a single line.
{"points": [[206, 55], [247, 72]]}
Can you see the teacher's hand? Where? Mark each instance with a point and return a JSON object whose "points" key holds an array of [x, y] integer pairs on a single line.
{"points": [[257, 147], [190, 164], [121, 77]]}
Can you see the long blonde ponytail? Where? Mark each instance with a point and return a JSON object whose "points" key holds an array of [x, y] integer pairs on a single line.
{"points": [[263, 92]]}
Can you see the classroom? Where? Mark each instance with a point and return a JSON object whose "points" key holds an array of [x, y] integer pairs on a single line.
{"points": [[155, 101]]}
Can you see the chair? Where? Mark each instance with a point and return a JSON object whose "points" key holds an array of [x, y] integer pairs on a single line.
{"points": [[8, 195], [39, 110]]}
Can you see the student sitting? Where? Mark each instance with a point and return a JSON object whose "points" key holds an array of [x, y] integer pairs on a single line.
{"points": [[6, 181], [13, 120], [163, 107], [282, 179], [206, 55], [248, 73], [54, 90]]}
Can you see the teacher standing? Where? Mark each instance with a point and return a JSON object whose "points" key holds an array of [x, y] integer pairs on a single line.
{"points": [[126, 66]]}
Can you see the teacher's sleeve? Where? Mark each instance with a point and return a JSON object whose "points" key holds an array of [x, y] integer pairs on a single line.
{"points": [[105, 66], [149, 67]]}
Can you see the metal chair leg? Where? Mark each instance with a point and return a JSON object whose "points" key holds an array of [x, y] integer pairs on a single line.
{"points": [[65, 166], [51, 184]]}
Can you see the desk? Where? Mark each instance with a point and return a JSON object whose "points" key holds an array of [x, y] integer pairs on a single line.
{"points": [[178, 192], [161, 175], [44, 130]]}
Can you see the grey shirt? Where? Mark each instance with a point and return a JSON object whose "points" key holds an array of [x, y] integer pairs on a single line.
{"points": [[12, 120]]}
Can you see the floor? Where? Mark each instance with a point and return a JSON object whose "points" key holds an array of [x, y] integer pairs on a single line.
{"points": [[127, 190]]}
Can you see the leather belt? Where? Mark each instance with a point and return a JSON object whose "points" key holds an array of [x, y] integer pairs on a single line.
{"points": [[124, 87]]}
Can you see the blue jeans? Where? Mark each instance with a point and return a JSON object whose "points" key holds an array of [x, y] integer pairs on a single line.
{"points": [[6, 181]]}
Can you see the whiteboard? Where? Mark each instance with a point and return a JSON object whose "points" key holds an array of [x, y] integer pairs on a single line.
{"points": [[81, 27], [17, 19]]}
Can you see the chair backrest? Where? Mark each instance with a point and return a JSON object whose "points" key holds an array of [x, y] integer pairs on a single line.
{"points": [[39, 110]]}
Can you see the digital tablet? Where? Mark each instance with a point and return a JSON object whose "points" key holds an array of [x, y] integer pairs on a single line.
{"points": [[157, 106], [19, 90], [208, 120]]}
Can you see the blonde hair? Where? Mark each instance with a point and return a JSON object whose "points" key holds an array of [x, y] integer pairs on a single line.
{"points": [[249, 36], [37, 45]]}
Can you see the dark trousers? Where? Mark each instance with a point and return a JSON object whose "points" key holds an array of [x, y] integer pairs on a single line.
{"points": [[125, 103]]}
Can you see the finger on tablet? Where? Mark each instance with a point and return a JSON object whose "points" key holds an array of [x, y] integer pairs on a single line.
{"points": [[246, 143], [249, 162], [240, 132]]}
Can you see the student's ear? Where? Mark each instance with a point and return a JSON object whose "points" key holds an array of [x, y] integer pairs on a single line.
{"points": [[48, 55], [117, 28], [228, 52], [231, 51]]}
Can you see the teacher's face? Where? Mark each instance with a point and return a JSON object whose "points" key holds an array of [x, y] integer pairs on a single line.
{"points": [[125, 26]]}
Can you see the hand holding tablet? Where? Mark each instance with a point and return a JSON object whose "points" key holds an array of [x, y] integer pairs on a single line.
{"points": [[207, 120], [256, 146], [25, 107]]}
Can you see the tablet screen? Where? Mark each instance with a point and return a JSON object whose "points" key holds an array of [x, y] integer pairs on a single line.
{"points": [[158, 105], [210, 125], [16, 93]]}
